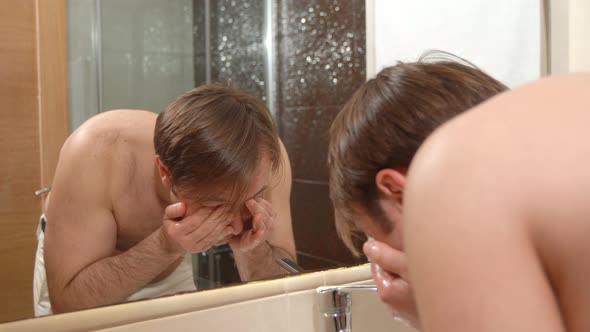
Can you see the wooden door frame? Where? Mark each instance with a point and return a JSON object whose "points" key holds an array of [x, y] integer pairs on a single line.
{"points": [[52, 56]]}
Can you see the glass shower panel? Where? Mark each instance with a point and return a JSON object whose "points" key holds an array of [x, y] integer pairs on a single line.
{"points": [[82, 61], [134, 54], [147, 52]]}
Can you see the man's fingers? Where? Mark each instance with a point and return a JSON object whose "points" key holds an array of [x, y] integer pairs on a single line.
{"points": [[391, 289], [266, 205], [269, 210], [175, 211], [258, 224], [210, 227], [255, 207], [391, 260], [200, 242], [194, 221], [251, 239]]}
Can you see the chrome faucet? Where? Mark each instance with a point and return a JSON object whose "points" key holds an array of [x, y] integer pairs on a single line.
{"points": [[335, 305]]}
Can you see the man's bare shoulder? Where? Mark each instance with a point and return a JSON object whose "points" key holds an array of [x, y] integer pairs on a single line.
{"points": [[109, 130], [108, 126], [104, 143]]}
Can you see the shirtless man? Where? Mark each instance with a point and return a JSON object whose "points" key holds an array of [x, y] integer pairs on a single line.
{"points": [[135, 193], [502, 244], [373, 141], [495, 217]]}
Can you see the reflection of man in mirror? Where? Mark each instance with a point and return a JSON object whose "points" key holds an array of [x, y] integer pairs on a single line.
{"points": [[120, 226], [374, 139]]}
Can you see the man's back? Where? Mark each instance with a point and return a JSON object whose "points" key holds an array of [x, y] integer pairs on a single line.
{"points": [[498, 215], [104, 198], [120, 146]]}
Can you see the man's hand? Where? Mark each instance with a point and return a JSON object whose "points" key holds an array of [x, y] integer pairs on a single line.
{"points": [[194, 233], [389, 269], [263, 219]]}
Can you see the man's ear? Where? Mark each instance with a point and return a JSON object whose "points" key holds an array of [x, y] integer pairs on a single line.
{"points": [[390, 184], [164, 173]]}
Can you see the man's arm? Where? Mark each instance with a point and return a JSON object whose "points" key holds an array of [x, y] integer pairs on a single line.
{"points": [[83, 268], [260, 262]]}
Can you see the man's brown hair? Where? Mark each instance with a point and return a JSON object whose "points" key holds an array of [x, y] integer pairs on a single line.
{"points": [[387, 119], [213, 137]]}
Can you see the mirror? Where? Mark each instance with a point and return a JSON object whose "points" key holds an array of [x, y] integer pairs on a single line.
{"points": [[303, 59]]}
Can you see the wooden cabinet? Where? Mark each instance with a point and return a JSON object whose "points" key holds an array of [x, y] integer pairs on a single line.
{"points": [[33, 126]]}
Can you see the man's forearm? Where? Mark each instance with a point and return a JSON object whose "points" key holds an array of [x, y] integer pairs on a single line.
{"points": [[113, 279], [260, 262]]}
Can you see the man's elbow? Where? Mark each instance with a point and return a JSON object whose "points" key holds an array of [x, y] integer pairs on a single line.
{"points": [[61, 304], [64, 300]]}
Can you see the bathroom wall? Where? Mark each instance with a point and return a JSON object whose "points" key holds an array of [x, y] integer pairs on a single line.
{"points": [[238, 47], [320, 62], [293, 312], [317, 60], [503, 38], [569, 30], [579, 35]]}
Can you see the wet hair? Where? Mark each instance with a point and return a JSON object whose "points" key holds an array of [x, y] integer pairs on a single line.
{"points": [[385, 122], [213, 137]]}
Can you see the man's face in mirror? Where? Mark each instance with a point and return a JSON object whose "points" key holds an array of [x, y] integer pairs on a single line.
{"points": [[237, 217]]}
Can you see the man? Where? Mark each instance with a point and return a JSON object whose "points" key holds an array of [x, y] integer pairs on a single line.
{"points": [[135, 193], [373, 141], [497, 215]]}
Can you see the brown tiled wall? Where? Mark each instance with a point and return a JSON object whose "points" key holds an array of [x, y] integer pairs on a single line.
{"points": [[320, 62]]}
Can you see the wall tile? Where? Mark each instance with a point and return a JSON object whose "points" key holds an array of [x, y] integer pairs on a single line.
{"points": [[305, 133], [313, 225], [237, 44], [321, 59]]}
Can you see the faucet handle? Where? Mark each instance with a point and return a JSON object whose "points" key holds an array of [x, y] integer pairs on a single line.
{"points": [[339, 298], [335, 306]]}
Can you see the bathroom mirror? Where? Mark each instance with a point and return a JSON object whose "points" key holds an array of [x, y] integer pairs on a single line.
{"points": [[303, 58]]}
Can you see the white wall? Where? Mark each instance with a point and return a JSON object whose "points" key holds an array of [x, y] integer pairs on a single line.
{"points": [[570, 35], [580, 35], [503, 37]]}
